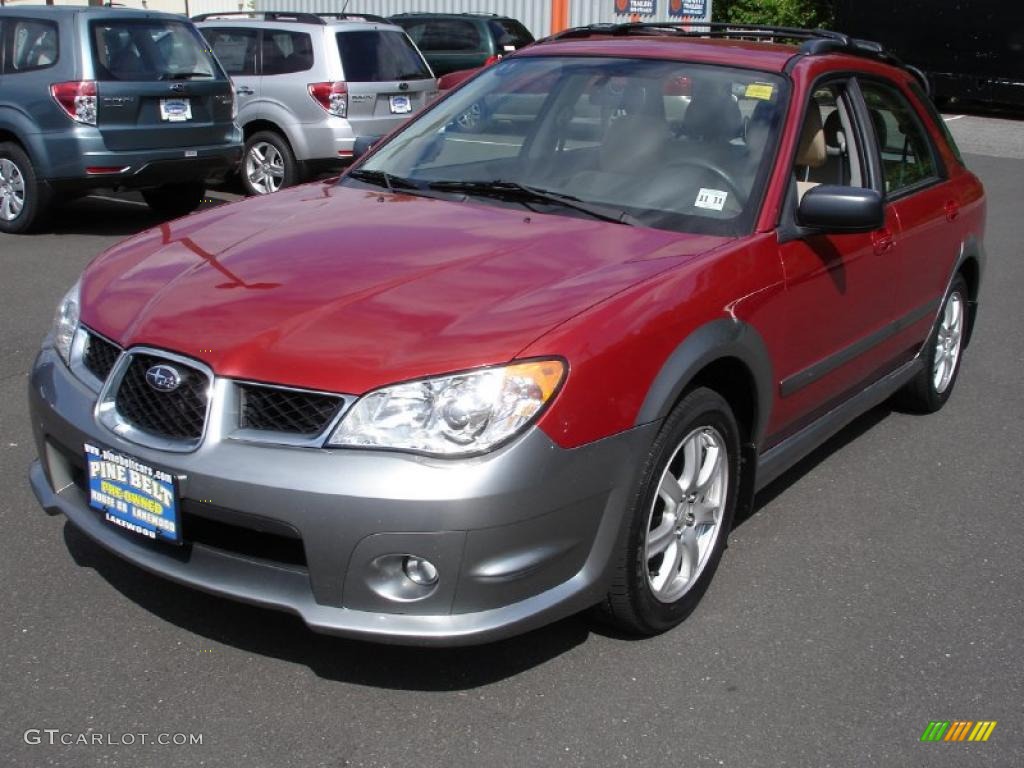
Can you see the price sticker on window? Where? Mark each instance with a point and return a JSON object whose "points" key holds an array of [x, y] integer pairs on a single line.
{"points": [[712, 199]]}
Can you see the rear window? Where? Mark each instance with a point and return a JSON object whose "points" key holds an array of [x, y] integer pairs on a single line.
{"points": [[509, 35], [286, 52], [29, 45], [149, 49], [373, 56], [444, 35]]}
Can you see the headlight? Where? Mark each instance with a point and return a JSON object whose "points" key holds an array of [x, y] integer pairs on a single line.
{"points": [[452, 415], [65, 323]]}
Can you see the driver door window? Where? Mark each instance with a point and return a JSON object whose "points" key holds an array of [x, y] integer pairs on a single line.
{"points": [[826, 153]]}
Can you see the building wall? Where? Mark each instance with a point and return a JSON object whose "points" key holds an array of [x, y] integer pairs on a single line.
{"points": [[535, 14]]}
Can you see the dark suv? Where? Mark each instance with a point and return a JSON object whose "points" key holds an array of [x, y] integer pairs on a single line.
{"points": [[455, 41], [108, 98]]}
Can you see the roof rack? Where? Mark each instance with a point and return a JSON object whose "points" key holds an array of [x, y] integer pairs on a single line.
{"points": [[297, 18], [815, 42]]}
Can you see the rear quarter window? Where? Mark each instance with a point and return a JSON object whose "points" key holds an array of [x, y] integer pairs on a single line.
{"points": [[373, 56], [445, 35], [29, 45], [509, 35], [286, 52]]}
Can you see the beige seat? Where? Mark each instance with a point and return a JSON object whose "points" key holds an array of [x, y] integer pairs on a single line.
{"points": [[811, 153]]}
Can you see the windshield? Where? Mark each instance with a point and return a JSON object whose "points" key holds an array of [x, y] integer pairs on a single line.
{"points": [[149, 49], [671, 145]]}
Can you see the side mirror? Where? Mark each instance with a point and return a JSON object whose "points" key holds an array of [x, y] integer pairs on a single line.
{"points": [[838, 209], [363, 145]]}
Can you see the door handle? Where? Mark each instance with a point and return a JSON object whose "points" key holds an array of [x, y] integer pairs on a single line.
{"points": [[952, 209], [245, 91], [883, 241]]}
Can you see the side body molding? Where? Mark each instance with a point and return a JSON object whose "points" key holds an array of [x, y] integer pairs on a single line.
{"points": [[725, 338]]}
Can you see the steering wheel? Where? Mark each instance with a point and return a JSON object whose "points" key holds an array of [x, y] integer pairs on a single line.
{"points": [[734, 189]]}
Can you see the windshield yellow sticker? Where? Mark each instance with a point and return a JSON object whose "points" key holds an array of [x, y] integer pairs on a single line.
{"points": [[763, 91]]}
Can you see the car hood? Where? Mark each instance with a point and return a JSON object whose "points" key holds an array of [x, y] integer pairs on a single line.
{"points": [[347, 289]]}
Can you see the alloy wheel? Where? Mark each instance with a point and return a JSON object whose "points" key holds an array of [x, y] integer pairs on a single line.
{"points": [[264, 167], [948, 342], [12, 190], [685, 519]]}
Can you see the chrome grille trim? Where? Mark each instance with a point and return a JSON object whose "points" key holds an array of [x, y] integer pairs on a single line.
{"points": [[108, 415]]}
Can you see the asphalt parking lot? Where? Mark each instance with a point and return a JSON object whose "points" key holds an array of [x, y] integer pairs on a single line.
{"points": [[878, 586]]}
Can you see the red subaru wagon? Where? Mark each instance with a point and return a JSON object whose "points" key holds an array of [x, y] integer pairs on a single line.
{"points": [[496, 375]]}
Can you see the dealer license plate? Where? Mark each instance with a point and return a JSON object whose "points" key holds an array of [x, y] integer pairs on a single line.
{"points": [[133, 495], [175, 110], [401, 105]]}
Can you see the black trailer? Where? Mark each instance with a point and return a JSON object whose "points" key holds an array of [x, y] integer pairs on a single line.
{"points": [[972, 50]]}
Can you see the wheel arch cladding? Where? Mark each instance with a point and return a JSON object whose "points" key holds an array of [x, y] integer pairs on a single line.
{"points": [[726, 355], [970, 266]]}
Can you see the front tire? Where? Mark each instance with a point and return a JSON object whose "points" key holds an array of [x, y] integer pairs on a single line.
{"points": [[676, 530], [929, 390], [23, 199], [175, 200], [268, 164]]}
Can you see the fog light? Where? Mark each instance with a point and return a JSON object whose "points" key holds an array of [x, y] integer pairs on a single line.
{"points": [[420, 571]]}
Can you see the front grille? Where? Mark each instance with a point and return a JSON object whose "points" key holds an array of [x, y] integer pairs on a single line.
{"points": [[100, 355], [286, 410], [179, 414]]}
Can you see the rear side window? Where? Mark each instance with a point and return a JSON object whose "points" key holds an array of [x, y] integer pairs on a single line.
{"points": [[933, 113], [373, 56], [235, 49], [29, 45], [286, 52], [149, 49], [445, 35], [907, 158], [509, 35]]}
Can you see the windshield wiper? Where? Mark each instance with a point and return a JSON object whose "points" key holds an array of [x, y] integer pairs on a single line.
{"points": [[183, 75], [383, 179], [515, 192]]}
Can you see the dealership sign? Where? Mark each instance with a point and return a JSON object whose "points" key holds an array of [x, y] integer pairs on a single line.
{"points": [[636, 7], [691, 8]]}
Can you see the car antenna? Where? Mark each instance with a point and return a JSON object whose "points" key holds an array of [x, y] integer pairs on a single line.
{"points": [[345, 6]]}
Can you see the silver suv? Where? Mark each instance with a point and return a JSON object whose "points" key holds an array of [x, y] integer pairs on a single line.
{"points": [[309, 85]]}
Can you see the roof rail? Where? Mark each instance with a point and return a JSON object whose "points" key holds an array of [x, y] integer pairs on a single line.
{"points": [[298, 18], [816, 42], [355, 17]]}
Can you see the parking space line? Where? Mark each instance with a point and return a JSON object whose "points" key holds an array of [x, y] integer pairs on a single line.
{"points": [[954, 117], [117, 200]]}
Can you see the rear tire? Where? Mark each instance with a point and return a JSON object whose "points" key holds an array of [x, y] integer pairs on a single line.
{"points": [[23, 199], [676, 529], [268, 164], [929, 390], [175, 200]]}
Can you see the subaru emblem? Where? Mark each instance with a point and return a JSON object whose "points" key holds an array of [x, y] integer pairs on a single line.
{"points": [[163, 378], [178, 87]]}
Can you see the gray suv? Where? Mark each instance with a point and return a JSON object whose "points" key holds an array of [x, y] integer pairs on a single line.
{"points": [[309, 85], [97, 97]]}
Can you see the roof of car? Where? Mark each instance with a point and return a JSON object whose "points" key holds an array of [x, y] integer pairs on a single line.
{"points": [[94, 10], [428, 15], [771, 57]]}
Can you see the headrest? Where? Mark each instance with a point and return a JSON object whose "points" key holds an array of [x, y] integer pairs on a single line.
{"points": [[634, 143], [833, 127], [713, 116], [811, 152]]}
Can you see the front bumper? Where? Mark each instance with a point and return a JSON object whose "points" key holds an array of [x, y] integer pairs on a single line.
{"points": [[521, 537]]}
